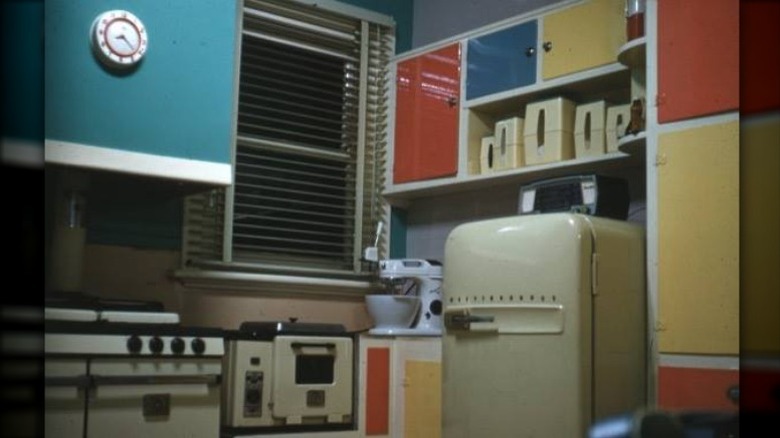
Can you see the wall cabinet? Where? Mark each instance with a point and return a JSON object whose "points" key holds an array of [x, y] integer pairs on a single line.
{"points": [[501, 60], [502, 76], [426, 115], [173, 116], [582, 37]]}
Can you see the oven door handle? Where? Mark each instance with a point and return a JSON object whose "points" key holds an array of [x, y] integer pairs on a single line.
{"points": [[82, 381], [172, 379], [327, 345]]}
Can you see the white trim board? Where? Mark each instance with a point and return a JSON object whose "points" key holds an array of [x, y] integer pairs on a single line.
{"points": [[698, 122], [695, 361], [95, 157]]}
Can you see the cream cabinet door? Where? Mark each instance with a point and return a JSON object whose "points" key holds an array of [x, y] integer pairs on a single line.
{"points": [[582, 37]]}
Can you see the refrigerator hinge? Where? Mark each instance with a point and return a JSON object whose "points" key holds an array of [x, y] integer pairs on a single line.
{"points": [[594, 274]]}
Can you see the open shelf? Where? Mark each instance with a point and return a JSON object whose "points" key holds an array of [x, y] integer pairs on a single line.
{"points": [[634, 145], [611, 83], [401, 194], [632, 54]]}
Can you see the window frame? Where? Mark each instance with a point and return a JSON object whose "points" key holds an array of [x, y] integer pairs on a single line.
{"points": [[226, 271]]}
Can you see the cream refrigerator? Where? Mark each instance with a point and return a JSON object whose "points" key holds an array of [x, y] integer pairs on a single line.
{"points": [[544, 325]]}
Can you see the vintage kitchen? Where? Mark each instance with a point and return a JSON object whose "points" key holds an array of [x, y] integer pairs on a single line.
{"points": [[412, 218]]}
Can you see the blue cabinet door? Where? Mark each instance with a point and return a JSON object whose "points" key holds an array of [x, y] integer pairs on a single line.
{"points": [[501, 60]]}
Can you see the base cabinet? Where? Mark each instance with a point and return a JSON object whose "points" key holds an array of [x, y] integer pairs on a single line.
{"points": [[400, 387]]}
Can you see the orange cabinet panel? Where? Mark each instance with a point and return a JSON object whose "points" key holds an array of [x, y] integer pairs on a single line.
{"points": [[426, 115], [698, 58], [696, 388]]}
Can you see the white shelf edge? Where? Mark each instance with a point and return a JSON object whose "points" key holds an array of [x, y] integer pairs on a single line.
{"points": [[628, 50], [633, 144], [594, 73], [400, 193], [137, 163]]}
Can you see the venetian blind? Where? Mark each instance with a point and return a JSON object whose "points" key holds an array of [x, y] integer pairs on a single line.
{"points": [[310, 149]]}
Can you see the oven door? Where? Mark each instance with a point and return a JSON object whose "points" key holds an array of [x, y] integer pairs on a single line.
{"points": [[154, 398], [312, 379], [65, 388]]}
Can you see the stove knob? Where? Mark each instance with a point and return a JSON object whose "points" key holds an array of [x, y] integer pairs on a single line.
{"points": [[198, 346], [134, 344], [177, 346], [156, 345]]}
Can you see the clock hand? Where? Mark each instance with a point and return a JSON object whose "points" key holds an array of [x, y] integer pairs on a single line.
{"points": [[123, 37]]}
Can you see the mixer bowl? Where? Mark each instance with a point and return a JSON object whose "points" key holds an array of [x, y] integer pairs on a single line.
{"points": [[392, 311]]}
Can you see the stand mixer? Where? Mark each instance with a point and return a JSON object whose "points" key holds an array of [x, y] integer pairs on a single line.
{"points": [[414, 277]]}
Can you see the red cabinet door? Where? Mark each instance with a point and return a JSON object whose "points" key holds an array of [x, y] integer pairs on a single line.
{"points": [[698, 58], [426, 115]]}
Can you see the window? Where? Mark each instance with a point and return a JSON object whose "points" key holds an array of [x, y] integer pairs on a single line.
{"points": [[310, 145]]}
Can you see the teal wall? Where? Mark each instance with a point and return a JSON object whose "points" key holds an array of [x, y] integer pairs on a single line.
{"points": [[178, 102], [397, 233], [131, 213]]}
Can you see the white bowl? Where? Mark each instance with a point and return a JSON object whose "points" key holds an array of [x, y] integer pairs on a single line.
{"points": [[392, 311]]}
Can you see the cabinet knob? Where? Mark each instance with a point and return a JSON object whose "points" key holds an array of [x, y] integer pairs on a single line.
{"points": [[547, 46], [452, 101], [529, 52]]}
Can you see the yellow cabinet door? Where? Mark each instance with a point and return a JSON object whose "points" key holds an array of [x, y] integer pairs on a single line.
{"points": [[698, 240], [581, 37]]}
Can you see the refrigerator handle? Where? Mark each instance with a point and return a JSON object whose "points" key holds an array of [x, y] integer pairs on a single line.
{"points": [[463, 320], [520, 319]]}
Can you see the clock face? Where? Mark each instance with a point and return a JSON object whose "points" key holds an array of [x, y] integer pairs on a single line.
{"points": [[119, 38]]}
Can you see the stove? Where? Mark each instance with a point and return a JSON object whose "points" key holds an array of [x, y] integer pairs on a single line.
{"points": [[129, 368]]}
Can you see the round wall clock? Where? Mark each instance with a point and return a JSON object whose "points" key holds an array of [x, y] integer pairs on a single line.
{"points": [[119, 39]]}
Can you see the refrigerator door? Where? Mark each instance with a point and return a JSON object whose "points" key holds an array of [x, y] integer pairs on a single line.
{"points": [[517, 349], [545, 325]]}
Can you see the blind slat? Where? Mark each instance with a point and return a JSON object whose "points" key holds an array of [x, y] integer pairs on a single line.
{"points": [[293, 200], [295, 229], [286, 250], [333, 165], [245, 168]]}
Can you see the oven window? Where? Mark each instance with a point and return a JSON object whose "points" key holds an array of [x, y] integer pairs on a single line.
{"points": [[310, 369]]}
